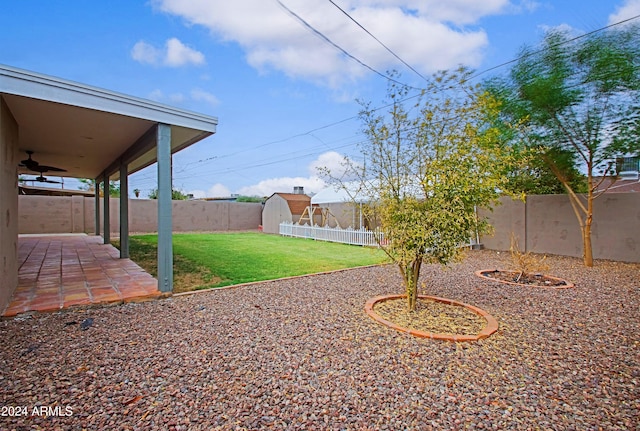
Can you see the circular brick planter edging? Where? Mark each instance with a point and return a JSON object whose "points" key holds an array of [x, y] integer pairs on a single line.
{"points": [[492, 323], [566, 285]]}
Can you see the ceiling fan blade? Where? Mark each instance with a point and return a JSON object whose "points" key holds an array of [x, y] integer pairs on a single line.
{"points": [[42, 179], [32, 165], [45, 168]]}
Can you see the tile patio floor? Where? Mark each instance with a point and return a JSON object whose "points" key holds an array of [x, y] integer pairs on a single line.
{"points": [[60, 271]]}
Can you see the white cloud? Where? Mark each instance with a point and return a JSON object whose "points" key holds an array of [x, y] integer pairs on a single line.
{"points": [[145, 53], [159, 96], [215, 191], [177, 98], [629, 8], [197, 194], [219, 190], [454, 11], [174, 54], [270, 186], [178, 54], [196, 94], [523, 6], [428, 34], [561, 28], [205, 96], [332, 161], [312, 184]]}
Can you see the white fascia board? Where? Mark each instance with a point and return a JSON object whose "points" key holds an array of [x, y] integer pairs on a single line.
{"points": [[30, 84]]}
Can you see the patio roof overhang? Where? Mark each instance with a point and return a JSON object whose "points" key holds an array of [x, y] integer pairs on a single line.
{"points": [[88, 130], [100, 134]]}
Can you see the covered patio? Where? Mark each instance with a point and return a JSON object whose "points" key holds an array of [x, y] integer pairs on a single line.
{"points": [[62, 271], [51, 126]]}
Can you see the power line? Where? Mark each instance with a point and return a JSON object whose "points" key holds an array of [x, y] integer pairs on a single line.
{"points": [[532, 53], [299, 135], [470, 78], [339, 48], [378, 40], [310, 132], [262, 164]]}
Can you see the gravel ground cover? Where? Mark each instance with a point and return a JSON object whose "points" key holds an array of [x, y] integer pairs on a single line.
{"points": [[302, 354]]}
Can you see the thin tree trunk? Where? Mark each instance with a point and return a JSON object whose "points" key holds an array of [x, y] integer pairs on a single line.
{"points": [[586, 243], [410, 275], [580, 209], [587, 249]]}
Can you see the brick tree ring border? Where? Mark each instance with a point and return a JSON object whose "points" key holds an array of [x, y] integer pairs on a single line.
{"points": [[492, 323], [567, 284]]}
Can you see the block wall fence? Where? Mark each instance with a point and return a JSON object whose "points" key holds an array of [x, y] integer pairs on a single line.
{"points": [[547, 224], [75, 214], [542, 224]]}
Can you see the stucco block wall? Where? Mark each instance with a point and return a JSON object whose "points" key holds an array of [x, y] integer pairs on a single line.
{"points": [[75, 214], [193, 216], [552, 226], [45, 214], [506, 218], [244, 215], [9, 158], [618, 227], [549, 225]]}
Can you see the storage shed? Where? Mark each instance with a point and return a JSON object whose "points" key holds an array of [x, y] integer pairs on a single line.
{"points": [[281, 207]]}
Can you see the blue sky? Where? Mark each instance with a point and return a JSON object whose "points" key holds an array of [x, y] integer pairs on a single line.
{"points": [[284, 97]]}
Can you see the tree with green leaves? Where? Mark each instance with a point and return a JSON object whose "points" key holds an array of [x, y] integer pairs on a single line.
{"points": [[577, 101], [534, 177], [249, 199], [176, 195], [428, 162], [90, 185]]}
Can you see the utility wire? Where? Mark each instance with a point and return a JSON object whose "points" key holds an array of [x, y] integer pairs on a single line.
{"points": [[262, 164], [339, 48], [532, 53], [299, 135], [378, 40], [410, 97]]}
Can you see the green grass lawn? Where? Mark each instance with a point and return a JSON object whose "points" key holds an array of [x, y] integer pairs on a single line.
{"points": [[221, 259]]}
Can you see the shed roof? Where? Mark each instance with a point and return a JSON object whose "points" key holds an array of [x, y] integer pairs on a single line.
{"points": [[297, 202]]}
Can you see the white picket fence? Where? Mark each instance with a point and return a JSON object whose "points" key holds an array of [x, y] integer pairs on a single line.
{"points": [[360, 236]]}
